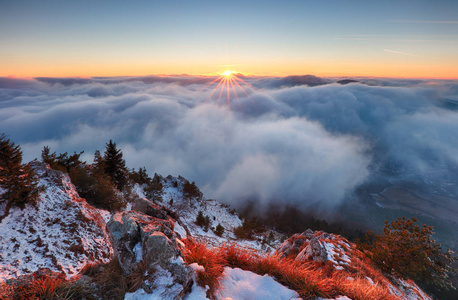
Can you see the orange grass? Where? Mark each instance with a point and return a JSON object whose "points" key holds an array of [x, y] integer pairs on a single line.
{"points": [[361, 289], [309, 279], [37, 288], [212, 261]]}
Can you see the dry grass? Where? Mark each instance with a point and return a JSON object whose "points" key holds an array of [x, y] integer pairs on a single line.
{"points": [[41, 288], [360, 289], [309, 280], [210, 259], [110, 277], [237, 257]]}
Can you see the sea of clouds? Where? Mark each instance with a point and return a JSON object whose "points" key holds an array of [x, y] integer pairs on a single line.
{"points": [[296, 140]]}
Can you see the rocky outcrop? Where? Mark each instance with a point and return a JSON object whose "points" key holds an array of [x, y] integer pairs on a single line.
{"points": [[338, 254], [315, 250], [150, 208], [62, 233], [148, 240]]}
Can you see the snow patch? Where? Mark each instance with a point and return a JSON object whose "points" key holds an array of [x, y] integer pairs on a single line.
{"points": [[138, 252], [180, 230], [239, 284], [165, 288]]}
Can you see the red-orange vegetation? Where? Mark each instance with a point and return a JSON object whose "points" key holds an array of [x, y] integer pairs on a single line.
{"points": [[309, 279], [211, 260]]}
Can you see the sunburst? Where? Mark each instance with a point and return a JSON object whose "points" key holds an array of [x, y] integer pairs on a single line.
{"points": [[228, 83]]}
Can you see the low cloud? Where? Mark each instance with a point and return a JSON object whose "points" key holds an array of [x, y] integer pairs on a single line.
{"points": [[296, 140]]}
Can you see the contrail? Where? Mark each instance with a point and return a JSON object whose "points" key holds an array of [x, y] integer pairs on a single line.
{"points": [[403, 53], [427, 22]]}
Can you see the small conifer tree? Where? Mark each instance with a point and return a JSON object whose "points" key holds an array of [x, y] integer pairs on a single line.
{"points": [[219, 230], [190, 190], [16, 179], [115, 165]]}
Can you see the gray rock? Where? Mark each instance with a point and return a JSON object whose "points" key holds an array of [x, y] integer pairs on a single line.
{"points": [[159, 249], [313, 251], [284, 249], [308, 233], [150, 208]]}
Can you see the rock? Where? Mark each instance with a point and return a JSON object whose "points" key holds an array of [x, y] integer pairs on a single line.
{"points": [[140, 238], [284, 249], [307, 244], [313, 251], [149, 208], [308, 233], [292, 245]]}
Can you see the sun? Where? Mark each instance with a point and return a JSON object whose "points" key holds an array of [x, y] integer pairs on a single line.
{"points": [[228, 73]]}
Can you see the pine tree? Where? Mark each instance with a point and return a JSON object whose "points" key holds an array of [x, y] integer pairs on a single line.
{"points": [[219, 230], [17, 179], [190, 190], [47, 156], [115, 165], [140, 177], [408, 251]]}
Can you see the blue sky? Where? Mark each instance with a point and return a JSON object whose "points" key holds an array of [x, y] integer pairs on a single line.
{"points": [[82, 38]]}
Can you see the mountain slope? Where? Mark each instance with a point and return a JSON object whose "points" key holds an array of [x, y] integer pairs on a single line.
{"points": [[147, 249], [62, 233]]}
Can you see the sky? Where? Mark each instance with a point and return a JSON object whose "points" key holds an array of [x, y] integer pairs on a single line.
{"points": [[273, 38]]}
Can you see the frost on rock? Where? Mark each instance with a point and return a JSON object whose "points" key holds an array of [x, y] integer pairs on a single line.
{"points": [[62, 233], [317, 246]]}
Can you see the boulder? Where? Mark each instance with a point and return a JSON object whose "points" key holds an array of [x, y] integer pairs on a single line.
{"points": [[149, 208], [313, 251], [141, 239]]}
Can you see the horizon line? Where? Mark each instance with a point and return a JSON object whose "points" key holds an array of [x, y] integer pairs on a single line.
{"points": [[237, 73]]}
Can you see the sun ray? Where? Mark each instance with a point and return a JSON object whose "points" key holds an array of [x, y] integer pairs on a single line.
{"points": [[228, 83], [228, 93], [217, 78], [214, 90], [222, 89], [243, 90], [244, 82], [231, 80]]}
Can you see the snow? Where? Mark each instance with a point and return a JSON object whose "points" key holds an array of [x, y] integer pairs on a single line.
{"points": [[245, 285], [218, 213], [337, 251], [139, 191], [197, 292], [138, 252], [62, 233], [165, 288], [180, 230]]}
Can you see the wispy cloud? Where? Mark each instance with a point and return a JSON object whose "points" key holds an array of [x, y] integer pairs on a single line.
{"points": [[400, 38], [424, 22], [403, 53]]}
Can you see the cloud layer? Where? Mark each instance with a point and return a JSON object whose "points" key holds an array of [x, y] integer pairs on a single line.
{"points": [[290, 140]]}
